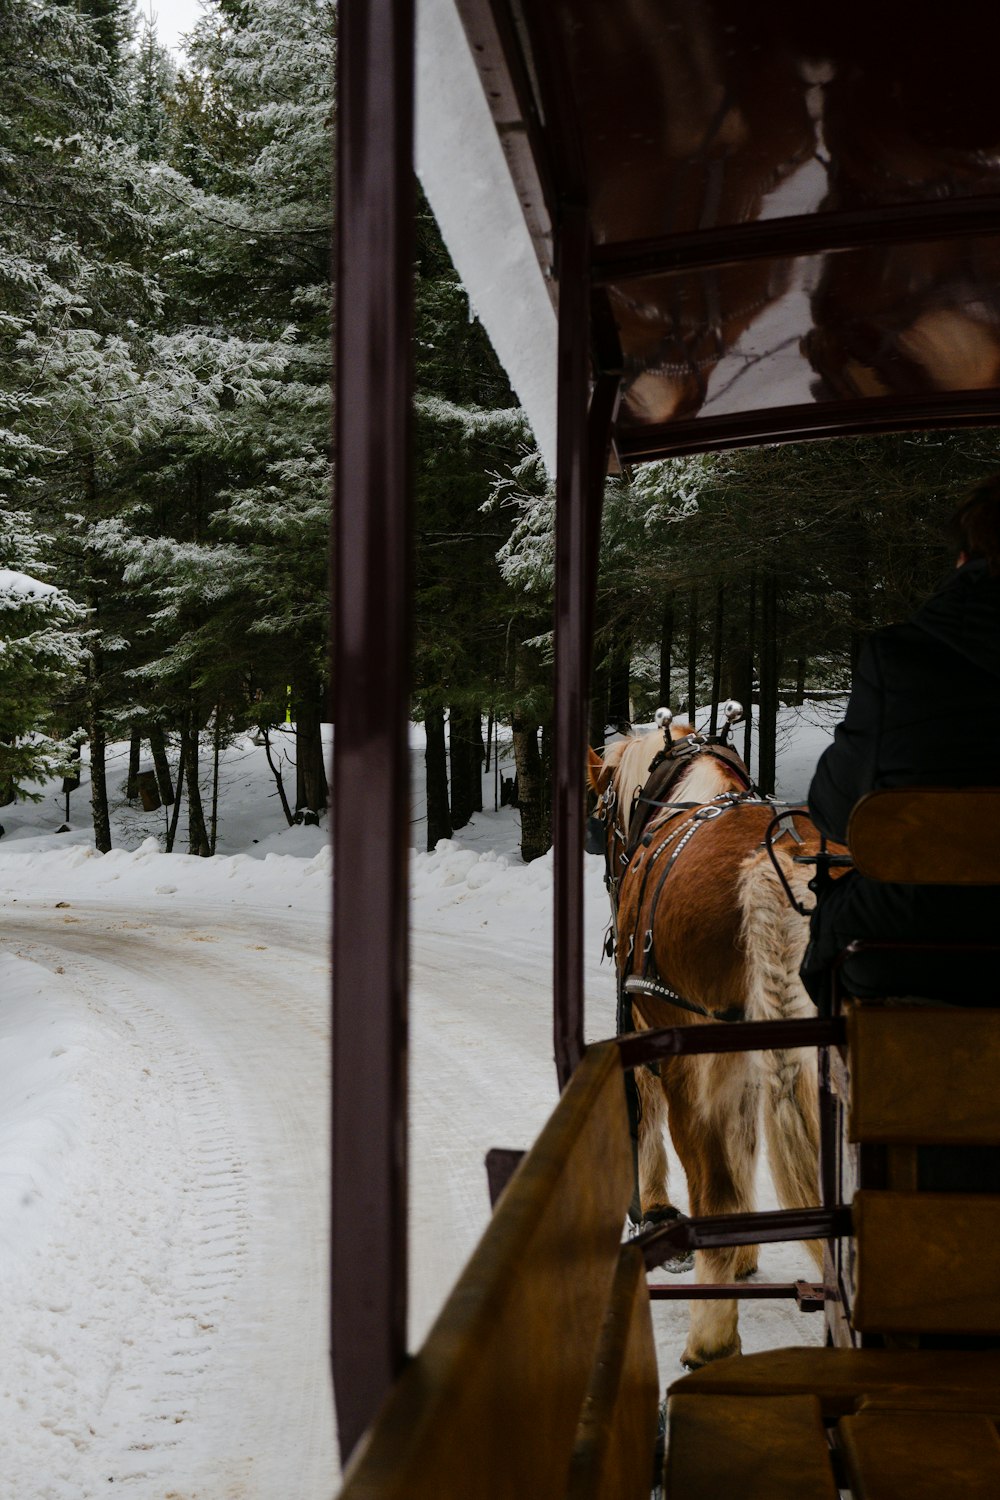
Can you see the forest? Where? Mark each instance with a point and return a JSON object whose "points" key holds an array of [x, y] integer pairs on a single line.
{"points": [[167, 465]]}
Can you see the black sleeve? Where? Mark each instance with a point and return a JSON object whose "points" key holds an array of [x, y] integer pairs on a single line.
{"points": [[847, 769]]}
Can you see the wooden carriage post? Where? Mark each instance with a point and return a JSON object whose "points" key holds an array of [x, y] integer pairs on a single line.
{"points": [[371, 608]]}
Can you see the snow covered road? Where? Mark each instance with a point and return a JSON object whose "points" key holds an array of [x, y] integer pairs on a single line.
{"points": [[166, 1242], [164, 1142]]}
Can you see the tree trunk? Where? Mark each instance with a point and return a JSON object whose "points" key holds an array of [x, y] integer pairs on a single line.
{"points": [[599, 708], [767, 733], [175, 815], [490, 726], [860, 590], [72, 781], [533, 792], [216, 747], [720, 595], [800, 681], [198, 841], [311, 793], [134, 755], [164, 782], [279, 781], [464, 760], [619, 681], [436, 779], [99, 787], [692, 698], [666, 648], [479, 752], [748, 684]]}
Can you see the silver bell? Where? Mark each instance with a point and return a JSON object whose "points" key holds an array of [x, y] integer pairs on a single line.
{"points": [[662, 719]]}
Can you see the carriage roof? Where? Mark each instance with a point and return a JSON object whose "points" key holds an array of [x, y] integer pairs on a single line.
{"points": [[790, 215]]}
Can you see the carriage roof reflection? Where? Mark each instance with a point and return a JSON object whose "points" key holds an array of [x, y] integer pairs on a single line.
{"points": [[686, 225]]}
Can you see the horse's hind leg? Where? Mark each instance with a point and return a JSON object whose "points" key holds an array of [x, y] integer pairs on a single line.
{"points": [[653, 1165], [713, 1108], [791, 1124]]}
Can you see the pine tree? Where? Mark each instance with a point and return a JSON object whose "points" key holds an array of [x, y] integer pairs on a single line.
{"points": [[41, 654]]}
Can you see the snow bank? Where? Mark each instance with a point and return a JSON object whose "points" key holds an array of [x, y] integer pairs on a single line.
{"points": [[147, 876], [457, 889]]}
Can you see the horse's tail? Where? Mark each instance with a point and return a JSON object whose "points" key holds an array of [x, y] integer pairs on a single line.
{"points": [[774, 938]]}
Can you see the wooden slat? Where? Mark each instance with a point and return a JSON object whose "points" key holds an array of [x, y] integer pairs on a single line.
{"points": [[490, 1405], [927, 1263], [924, 1074], [613, 1457], [842, 1378], [984, 1403], [922, 1456], [754, 1447], [928, 836]]}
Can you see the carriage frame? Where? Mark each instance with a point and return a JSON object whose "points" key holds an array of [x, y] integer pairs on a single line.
{"points": [[521, 57]]}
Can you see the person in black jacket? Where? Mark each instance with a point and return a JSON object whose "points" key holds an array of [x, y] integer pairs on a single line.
{"points": [[924, 711]]}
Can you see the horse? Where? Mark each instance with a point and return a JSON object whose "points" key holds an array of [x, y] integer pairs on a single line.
{"points": [[704, 933]]}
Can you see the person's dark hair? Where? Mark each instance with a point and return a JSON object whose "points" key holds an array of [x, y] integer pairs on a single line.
{"points": [[975, 526]]}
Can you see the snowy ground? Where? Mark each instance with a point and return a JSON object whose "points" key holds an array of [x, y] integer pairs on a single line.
{"points": [[163, 1129]]}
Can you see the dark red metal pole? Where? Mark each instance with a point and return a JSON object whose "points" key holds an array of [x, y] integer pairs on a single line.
{"points": [[370, 705], [583, 448], [571, 577]]}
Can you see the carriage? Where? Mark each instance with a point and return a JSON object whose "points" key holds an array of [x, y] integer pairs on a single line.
{"points": [[727, 224]]}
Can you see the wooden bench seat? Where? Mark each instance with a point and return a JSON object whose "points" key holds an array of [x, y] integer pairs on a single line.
{"points": [[928, 835], [921, 1074], [754, 1447], [920, 1455], [984, 1403], [927, 1263], [841, 1379]]}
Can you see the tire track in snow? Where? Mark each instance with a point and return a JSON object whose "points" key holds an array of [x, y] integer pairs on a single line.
{"points": [[218, 1386]]}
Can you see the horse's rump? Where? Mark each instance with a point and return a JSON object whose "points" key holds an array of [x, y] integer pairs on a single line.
{"points": [[693, 901]]}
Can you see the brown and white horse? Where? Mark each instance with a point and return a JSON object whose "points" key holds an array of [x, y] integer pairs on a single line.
{"points": [[698, 909]]}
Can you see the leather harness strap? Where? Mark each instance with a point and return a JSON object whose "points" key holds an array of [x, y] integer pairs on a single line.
{"points": [[665, 768], [650, 981]]}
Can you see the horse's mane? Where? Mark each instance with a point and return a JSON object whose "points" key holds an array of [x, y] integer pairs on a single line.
{"points": [[629, 759]]}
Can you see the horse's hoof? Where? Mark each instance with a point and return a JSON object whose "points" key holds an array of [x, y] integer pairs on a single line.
{"points": [[674, 1261], [652, 1218], [696, 1359], [655, 1218], [682, 1261]]}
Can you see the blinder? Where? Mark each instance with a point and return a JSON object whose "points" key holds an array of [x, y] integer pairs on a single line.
{"points": [[595, 839]]}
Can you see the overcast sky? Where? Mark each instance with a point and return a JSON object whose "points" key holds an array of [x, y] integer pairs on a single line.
{"points": [[172, 17]]}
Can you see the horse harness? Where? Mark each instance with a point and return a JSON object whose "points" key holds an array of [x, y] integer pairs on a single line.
{"points": [[647, 805]]}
